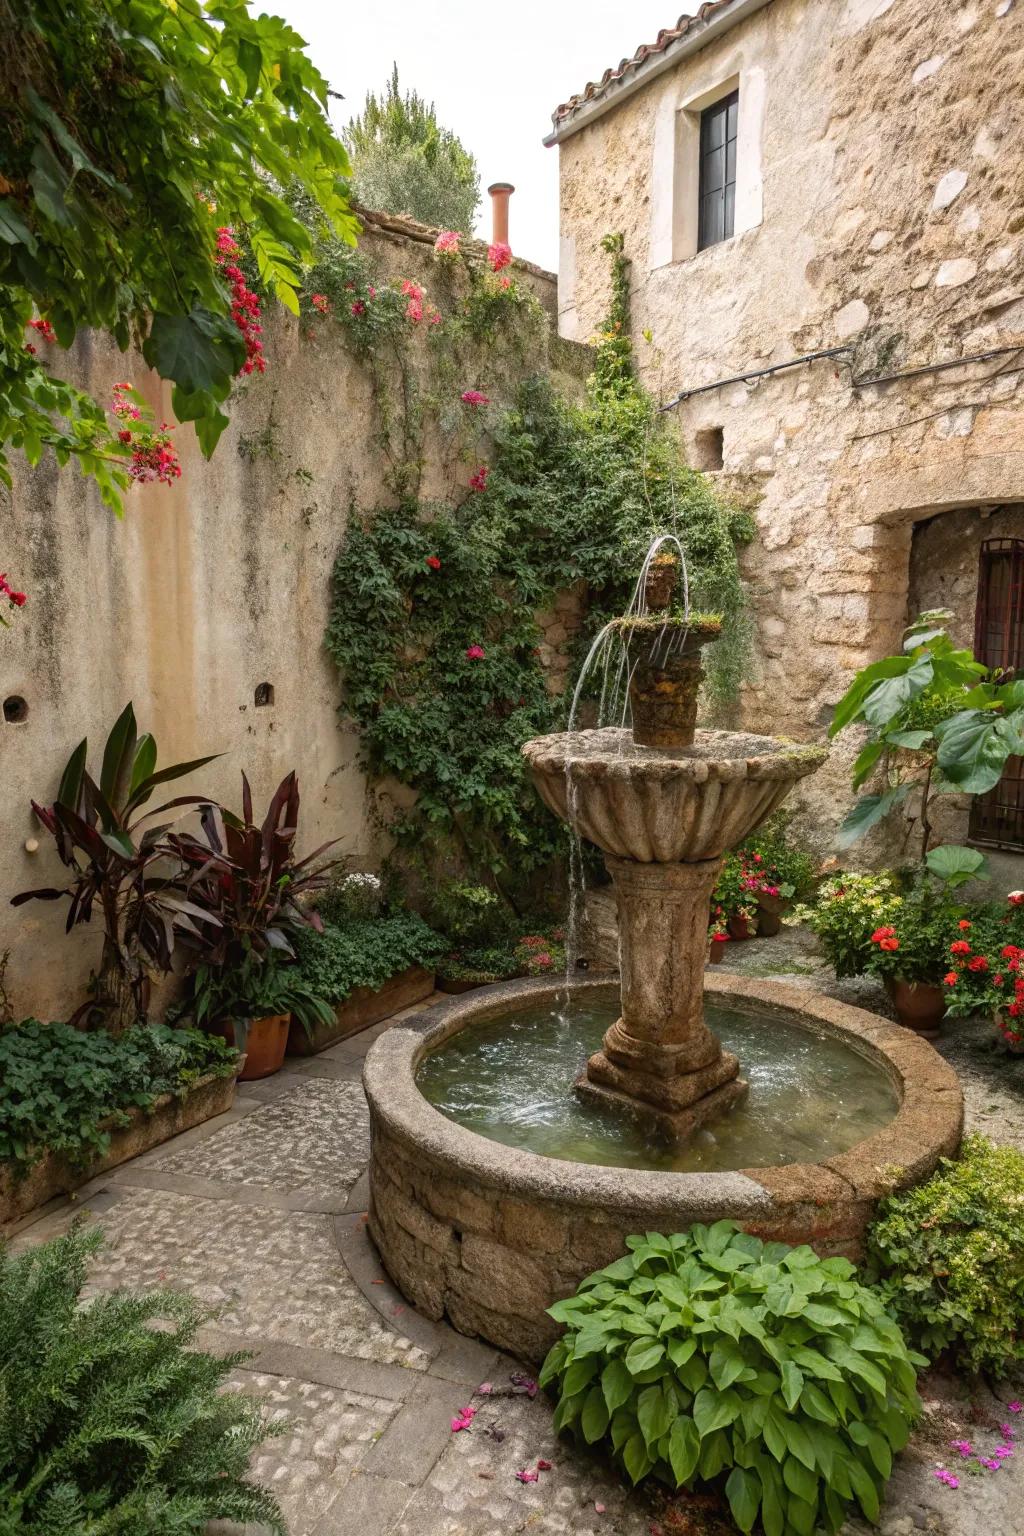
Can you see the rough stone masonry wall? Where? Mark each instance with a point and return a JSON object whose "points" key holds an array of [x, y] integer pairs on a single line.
{"points": [[206, 590], [892, 178]]}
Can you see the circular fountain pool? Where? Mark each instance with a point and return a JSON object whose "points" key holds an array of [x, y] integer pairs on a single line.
{"points": [[511, 1078], [490, 1229]]}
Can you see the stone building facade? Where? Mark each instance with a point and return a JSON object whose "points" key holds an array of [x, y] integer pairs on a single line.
{"points": [[877, 207]]}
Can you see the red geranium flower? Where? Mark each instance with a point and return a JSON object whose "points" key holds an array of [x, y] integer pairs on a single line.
{"points": [[963, 924], [474, 653], [960, 947], [433, 562], [950, 978], [889, 944], [979, 963], [882, 933]]}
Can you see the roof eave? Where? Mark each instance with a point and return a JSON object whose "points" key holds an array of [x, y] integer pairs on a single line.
{"points": [[616, 91]]}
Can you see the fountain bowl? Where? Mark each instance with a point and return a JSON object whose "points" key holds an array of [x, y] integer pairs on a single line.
{"points": [[659, 805], [490, 1235]]}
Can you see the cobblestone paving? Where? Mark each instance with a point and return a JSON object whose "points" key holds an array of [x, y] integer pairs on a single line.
{"points": [[241, 1213], [313, 1138]]}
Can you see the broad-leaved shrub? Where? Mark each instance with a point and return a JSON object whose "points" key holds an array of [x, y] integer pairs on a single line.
{"points": [[713, 1352]]}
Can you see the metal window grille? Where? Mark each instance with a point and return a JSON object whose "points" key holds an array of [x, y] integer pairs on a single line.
{"points": [[997, 818], [717, 189]]}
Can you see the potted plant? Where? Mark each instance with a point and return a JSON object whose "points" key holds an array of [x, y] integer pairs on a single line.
{"points": [[718, 939], [123, 867], [734, 901], [254, 1004], [664, 651], [777, 873], [986, 969], [849, 907], [247, 878]]}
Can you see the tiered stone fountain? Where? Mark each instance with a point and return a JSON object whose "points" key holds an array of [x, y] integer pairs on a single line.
{"points": [[663, 802], [494, 1204]]}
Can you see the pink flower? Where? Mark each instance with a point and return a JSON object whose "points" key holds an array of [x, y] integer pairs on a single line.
{"points": [[358, 307], [505, 282], [543, 1466], [526, 1476], [411, 290], [371, 291], [19, 599], [474, 397], [447, 243], [499, 255], [484, 1389], [433, 317], [1014, 1407], [463, 1419], [963, 1446], [414, 311], [599, 1508], [478, 480], [321, 303], [474, 653]]}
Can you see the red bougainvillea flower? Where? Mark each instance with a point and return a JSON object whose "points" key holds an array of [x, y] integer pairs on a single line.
{"points": [[474, 653], [44, 328], [964, 924], [433, 562], [997, 980], [474, 397], [951, 978], [478, 480], [463, 1419], [525, 1475], [447, 243], [979, 963], [499, 255], [959, 947], [245, 305], [321, 303], [19, 599], [1015, 898]]}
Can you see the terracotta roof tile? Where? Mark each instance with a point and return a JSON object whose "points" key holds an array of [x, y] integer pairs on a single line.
{"points": [[668, 35]]}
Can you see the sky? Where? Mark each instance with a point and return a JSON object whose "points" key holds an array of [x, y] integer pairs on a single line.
{"points": [[495, 73]]}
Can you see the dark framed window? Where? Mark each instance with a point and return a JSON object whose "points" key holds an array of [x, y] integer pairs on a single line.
{"points": [[997, 818], [717, 186]]}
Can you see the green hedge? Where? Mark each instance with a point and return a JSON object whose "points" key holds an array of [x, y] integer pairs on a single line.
{"points": [[365, 954], [58, 1084]]}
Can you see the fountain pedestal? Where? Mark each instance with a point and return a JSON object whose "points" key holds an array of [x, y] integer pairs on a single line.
{"points": [[659, 1061]]}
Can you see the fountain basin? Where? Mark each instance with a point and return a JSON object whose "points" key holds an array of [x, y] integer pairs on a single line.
{"points": [[490, 1235], [663, 805]]}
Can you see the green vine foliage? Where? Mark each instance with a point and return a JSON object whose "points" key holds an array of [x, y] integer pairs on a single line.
{"points": [[433, 620]]}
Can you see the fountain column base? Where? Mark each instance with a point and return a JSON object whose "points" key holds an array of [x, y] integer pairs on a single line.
{"points": [[659, 1061]]}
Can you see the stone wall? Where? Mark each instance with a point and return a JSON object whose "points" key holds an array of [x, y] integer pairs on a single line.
{"points": [[884, 140], [205, 591]]}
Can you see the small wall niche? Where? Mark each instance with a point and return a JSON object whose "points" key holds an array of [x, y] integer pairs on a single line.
{"points": [[15, 709], [264, 696], [709, 449]]}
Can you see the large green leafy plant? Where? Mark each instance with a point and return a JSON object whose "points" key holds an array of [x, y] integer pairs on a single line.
{"points": [[63, 1089], [365, 953], [712, 1352], [111, 1419], [950, 1254], [938, 721], [132, 131]]}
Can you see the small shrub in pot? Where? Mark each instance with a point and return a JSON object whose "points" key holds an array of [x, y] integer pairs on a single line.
{"points": [[713, 1354]]}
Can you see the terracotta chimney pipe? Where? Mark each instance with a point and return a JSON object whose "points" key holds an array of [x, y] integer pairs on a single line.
{"points": [[500, 192]]}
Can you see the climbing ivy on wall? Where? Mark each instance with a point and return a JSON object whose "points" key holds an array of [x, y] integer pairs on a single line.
{"points": [[433, 606]]}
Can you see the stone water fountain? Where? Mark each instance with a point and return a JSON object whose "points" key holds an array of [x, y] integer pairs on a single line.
{"points": [[521, 1132], [663, 802]]}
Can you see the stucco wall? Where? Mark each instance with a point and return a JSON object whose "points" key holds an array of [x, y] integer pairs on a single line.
{"points": [[204, 591], [886, 141]]}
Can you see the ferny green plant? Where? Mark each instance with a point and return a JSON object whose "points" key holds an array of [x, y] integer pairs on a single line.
{"points": [[111, 1418], [712, 1352]]}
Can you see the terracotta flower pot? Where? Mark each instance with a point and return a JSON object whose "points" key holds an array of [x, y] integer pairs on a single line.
{"points": [[263, 1041], [741, 927], [662, 578], [769, 915], [919, 1005]]}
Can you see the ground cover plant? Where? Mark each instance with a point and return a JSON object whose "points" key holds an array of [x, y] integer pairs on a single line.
{"points": [[365, 953], [950, 1254], [111, 1420], [711, 1353], [63, 1089]]}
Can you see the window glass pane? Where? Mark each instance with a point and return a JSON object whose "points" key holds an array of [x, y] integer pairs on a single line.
{"points": [[715, 120], [717, 171], [730, 161], [733, 117], [714, 170], [714, 219], [729, 223]]}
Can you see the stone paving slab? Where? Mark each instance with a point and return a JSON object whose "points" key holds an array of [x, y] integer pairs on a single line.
{"points": [[314, 1139], [274, 1276], [328, 1433]]}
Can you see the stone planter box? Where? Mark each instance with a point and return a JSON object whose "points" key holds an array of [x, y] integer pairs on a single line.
{"points": [[54, 1174], [363, 1006]]}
